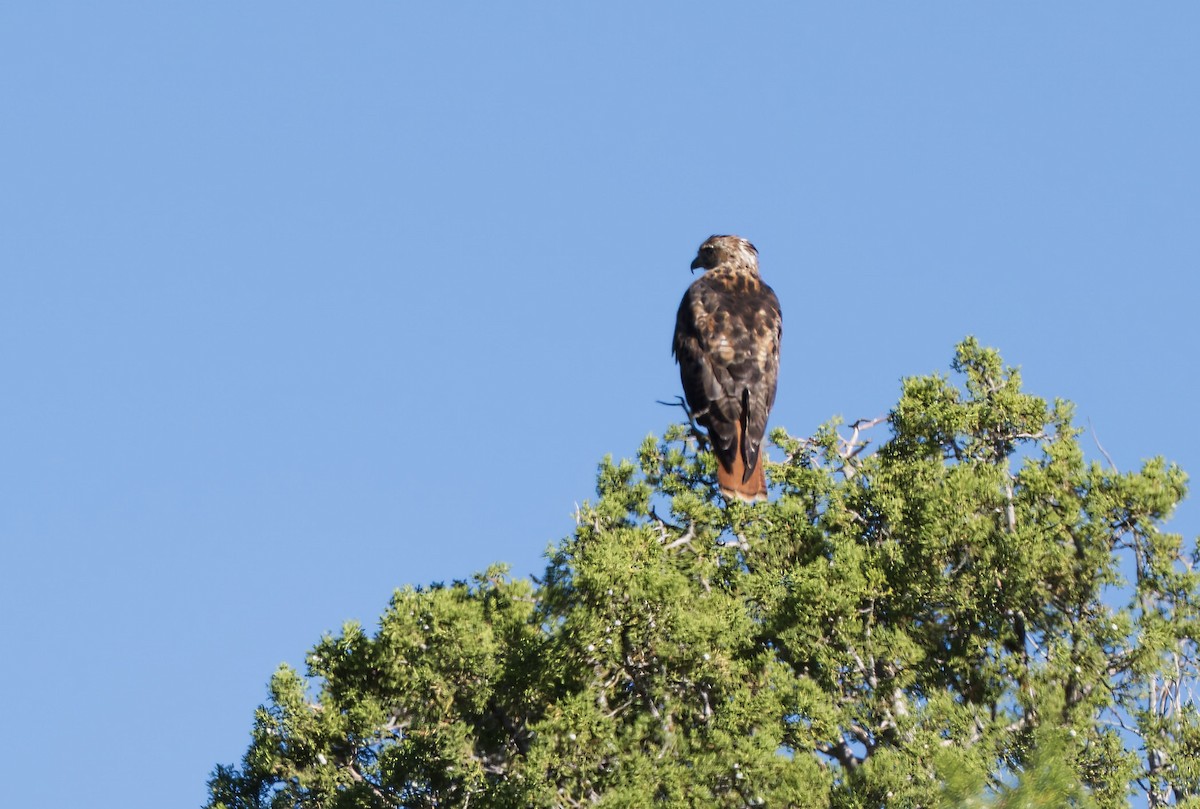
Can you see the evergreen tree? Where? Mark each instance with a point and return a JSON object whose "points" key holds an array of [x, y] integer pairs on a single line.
{"points": [[969, 614]]}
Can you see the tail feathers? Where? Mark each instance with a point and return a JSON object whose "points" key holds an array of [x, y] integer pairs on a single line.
{"points": [[748, 486]]}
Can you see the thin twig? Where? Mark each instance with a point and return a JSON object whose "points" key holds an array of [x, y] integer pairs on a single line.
{"points": [[1100, 446], [851, 446], [697, 433], [360, 778]]}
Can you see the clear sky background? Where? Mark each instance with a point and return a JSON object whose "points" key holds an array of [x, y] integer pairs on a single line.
{"points": [[303, 302]]}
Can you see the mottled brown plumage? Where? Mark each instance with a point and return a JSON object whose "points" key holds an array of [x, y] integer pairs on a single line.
{"points": [[727, 336]]}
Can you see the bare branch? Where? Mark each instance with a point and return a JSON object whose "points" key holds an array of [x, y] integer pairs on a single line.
{"points": [[665, 528], [361, 779], [663, 524], [852, 446], [683, 540], [1100, 446], [842, 752], [697, 433], [1010, 510]]}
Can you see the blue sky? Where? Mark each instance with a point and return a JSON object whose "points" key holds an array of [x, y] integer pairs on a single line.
{"points": [[300, 303]]}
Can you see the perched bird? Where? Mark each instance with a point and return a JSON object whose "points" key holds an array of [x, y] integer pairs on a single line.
{"points": [[726, 342]]}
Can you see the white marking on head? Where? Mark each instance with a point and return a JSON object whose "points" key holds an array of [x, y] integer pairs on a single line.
{"points": [[726, 250]]}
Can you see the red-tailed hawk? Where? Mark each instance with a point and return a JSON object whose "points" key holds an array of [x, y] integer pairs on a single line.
{"points": [[726, 342]]}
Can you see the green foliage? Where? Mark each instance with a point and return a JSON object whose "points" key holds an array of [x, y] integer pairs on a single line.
{"points": [[1049, 776], [969, 615]]}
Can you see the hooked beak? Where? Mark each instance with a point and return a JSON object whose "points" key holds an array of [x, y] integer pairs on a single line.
{"points": [[696, 264]]}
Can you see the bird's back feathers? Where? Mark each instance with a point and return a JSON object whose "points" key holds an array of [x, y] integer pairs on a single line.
{"points": [[727, 335]]}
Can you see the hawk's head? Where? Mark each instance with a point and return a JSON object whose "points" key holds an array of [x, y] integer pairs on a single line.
{"points": [[730, 251]]}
